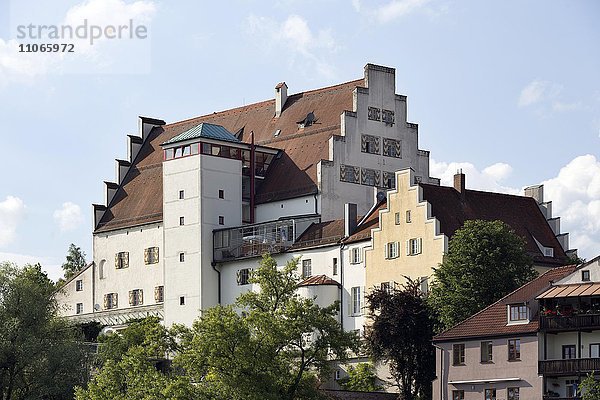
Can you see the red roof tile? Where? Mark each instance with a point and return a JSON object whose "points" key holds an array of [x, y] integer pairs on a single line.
{"points": [[521, 213], [492, 321], [139, 199], [321, 233], [318, 280]]}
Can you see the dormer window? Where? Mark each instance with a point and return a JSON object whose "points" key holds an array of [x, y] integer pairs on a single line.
{"points": [[518, 313]]}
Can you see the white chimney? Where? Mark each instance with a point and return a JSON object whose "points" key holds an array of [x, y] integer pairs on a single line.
{"points": [[280, 98]]}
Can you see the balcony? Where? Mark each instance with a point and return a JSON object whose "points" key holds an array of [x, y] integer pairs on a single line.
{"points": [[573, 366], [254, 240], [560, 323]]}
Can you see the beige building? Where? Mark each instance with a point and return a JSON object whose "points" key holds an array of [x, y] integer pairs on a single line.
{"points": [[416, 222]]}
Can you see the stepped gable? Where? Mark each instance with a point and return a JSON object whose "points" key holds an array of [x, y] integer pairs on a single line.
{"points": [[521, 213], [138, 200], [491, 321]]}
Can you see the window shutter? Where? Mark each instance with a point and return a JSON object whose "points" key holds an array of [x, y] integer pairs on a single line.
{"points": [[117, 260], [141, 292], [115, 300], [105, 301], [238, 275], [350, 297], [131, 297], [362, 299], [419, 245], [126, 262], [147, 256], [156, 294], [155, 251], [408, 247], [397, 249], [387, 250]]}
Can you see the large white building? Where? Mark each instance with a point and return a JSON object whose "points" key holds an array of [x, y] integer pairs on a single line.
{"points": [[197, 201]]}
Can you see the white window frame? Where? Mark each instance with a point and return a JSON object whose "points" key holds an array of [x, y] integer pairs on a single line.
{"points": [[391, 250], [356, 255], [306, 268], [79, 308], [79, 285], [357, 301], [414, 246]]}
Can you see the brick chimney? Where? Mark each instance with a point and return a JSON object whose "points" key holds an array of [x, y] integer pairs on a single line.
{"points": [[459, 182], [280, 98], [349, 219]]}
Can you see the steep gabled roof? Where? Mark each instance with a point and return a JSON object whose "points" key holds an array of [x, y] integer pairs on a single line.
{"points": [[318, 280], [492, 321], [139, 198], [521, 213]]}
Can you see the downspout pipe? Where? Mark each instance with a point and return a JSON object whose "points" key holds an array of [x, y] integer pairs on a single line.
{"points": [[342, 248], [214, 266]]}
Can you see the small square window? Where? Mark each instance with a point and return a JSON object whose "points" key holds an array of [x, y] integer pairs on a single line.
{"points": [[458, 395], [221, 220], [490, 394], [151, 255], [181, 257], [513, 393], [243, 276], [181, 300], [181, 195], [79, 285], [221, 194], [79, 308], [181, 220], [122, 260], [585, 275]]}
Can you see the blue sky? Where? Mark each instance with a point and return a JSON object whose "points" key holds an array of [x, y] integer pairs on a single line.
{"points": [[509, 91]]}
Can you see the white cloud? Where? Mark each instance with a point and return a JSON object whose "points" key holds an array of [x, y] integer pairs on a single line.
{"points": [[397, 9], [12, 211], [102, 56], [575, 195], [356, 5], [545, 95], [574, 192], [488, 179], [296, 41], [68, 217], [52, 266]]}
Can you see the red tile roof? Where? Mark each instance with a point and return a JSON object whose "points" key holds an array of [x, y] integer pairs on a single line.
{"points": [[492, 321], [368, 222], [139, 198], [521, 213], [319, 280], [317, 234]]}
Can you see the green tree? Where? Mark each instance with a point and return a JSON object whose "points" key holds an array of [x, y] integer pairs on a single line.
{"points": [[276, 348], [40, 357], [75, 261], [361, 378], [589, 388], [400, 334], [486, 260]]}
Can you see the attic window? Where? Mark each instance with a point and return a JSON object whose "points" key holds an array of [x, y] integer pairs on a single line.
{"points": [[307, 121], [277, 133]]}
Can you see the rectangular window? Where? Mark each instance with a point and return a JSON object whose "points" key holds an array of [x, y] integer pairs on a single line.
{"points": [[335, 266], [357, 301], [458, 354], [486, 352], [389, 180], [413, 246], [458, 395], [348, 173], [122, 260], [514, 349], [391, 250], [392, 148], [243, 276], [111, 301], [595, 350], [397, 218], [151, 255], [159, 294], [221, 239], [490, 394], [306, 269], [221, 194], [408, 217], [425, 285], [370, 177], [355, 255], [369, 144], [79, 285], [585, 275], [512, 393], [79, 308], [136, 297], [181, 195], [181, 257], [386, 287], [181, 220], [518, 312], [221, 220], [569, 352], [181, 300], [571, 386]]}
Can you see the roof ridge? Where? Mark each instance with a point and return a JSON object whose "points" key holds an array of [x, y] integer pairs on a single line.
{"points": [[480, 191], [503, 298], [259, 103]]}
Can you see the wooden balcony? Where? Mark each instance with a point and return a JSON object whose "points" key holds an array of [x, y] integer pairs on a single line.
{"points": [[568, 367], [571, 323]]}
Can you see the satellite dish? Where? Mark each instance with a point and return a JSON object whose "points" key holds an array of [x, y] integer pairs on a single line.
{"points": [[97, 307], [380, 196]]}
